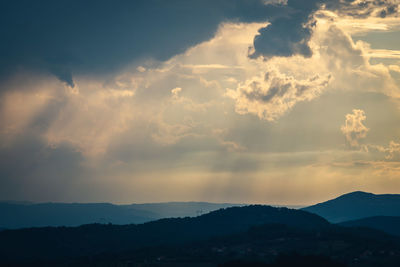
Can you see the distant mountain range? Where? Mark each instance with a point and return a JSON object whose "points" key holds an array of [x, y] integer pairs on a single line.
{"points": [[357, 205], [239, 236], [53, 243], [349, 207], [346, 231], [16, 215]]}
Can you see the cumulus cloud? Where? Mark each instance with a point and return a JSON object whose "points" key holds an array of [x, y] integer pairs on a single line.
{"points": [[175, 92], [290, 34], [365, 8], [334, 61], [349, 62], [391, 152], [354, 130], [270, 95]]}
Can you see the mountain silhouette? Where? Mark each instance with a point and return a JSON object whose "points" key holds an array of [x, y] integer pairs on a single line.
{"points": [[238, 236], [357, 205], [288, 260], [66, 242], [267, 245], [388, 224]]}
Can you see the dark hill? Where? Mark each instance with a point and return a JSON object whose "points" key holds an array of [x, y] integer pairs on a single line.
{"points": [[181, 209], [357, 205], [388, 224], [68, 242], [259, 246]]}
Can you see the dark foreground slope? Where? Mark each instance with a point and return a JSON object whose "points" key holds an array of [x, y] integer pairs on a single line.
{"points": [[240, 236], [16, 215], [61, 243], [260, 246], [388, 224], [287, 260], [357, 205]]}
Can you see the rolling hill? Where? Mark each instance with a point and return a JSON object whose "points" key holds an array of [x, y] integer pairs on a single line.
{"points": [[388, 224], [50, 243], [238, 236], [357, 205]]}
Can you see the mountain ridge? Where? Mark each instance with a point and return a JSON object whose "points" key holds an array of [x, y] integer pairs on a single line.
{"points": [[60, 242], [250, 233], [357, 205]]}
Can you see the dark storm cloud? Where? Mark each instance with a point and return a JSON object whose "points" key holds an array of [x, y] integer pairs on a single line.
{"points": [[95, 37], [287, 35], [73, 37]]}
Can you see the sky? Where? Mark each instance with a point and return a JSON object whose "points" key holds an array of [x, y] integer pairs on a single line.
{"points": [[240, 101]]}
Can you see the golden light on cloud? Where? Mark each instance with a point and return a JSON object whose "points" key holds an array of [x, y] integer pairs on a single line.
{"points": [[214, 120], [383, 53]]}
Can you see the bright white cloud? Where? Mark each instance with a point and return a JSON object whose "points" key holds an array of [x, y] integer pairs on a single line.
{"points": [[272, 94], [354, 130]]}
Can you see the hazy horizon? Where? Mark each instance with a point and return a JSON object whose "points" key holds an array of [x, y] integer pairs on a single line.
{"points": [[292, 205], [144, 203]]}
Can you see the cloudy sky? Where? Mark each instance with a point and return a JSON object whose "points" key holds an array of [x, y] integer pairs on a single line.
{"points": [[255, 101]]}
